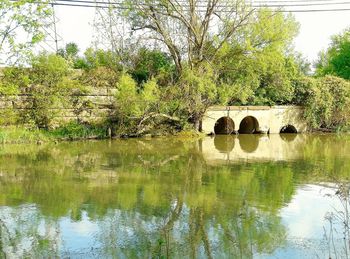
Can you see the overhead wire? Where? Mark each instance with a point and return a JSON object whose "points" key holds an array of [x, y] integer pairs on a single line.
{"points": [[269, 3], [253, 3], [119, 5]]}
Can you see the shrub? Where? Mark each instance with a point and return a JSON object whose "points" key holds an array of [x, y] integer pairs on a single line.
{"points": [[45, 93], [328, 102]]}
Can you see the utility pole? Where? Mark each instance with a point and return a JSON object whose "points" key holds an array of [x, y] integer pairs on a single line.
{"points": [[54, 26]]}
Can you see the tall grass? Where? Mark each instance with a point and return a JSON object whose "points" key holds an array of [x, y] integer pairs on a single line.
{"points": [[70, 131], [23, 135], [74, 130]]}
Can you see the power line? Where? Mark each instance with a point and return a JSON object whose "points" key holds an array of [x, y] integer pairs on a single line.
{"points": [[292, 1], [278, 10], [260, 3], [303, 4], [106, 5]]}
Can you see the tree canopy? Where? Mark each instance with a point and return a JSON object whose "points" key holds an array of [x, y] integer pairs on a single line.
{"points": [[21, 25], [336, 59], [187, 28]]}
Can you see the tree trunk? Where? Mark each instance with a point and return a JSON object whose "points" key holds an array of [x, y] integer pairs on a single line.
{"points": [[197, 124]]}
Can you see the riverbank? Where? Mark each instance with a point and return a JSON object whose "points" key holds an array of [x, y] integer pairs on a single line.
{"points": [[21, 135], [72, 132]]}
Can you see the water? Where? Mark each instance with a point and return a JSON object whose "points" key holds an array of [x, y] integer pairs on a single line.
{"points": [[225, 197]]}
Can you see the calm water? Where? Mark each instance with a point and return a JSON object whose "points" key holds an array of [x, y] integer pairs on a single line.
{"points": [[223, 197]]}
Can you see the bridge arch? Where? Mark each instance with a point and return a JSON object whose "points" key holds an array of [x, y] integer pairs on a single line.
{"points": [[224, 126], [289, 128], [249, 125]]}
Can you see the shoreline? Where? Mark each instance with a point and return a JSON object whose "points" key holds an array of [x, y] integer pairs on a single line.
{"points": [[23, 135]]}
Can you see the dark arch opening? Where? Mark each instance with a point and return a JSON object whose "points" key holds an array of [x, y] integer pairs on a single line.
{"points": [[224, 126], [249, 125], [288, 129]]}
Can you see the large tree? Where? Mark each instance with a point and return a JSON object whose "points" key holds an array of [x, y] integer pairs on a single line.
{"points": [[258, 65], [191, 30], [336, 59], [21, 27]]}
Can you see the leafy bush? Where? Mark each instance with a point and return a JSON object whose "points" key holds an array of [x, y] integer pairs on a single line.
{"points": [[328, 102], [8, 117], [150, 63], [100, 77], [100, 58], [45, 94]]}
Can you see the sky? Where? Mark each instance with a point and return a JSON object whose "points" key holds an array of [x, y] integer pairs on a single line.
{"points": [[75, 25]]}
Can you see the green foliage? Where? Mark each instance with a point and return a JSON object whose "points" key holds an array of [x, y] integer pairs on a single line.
{"points": [[71, 50], [127, 104], [150, 95], [13, 79], [70, 53], [45, 92], [22, 135], [100, 77], [196, 91], [336, 59], [302, 89], [8, 90], [69, 131], [75, 92], [256, 63], [144, 109], [48, 69], [99, 58], [9, 117], [150, 63], [75, 130], [21, 25], [328, 102]]}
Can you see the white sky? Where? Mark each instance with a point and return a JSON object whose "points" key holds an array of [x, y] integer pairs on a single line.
{"points": [[75, 25]]}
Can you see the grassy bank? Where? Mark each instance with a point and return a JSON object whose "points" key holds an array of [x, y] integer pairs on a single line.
{"points": [[23, 135], [72, 131]]}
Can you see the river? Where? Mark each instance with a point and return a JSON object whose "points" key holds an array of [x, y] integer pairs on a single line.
{"points": [[247, 196]]}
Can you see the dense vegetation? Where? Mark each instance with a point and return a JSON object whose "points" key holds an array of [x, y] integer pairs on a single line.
{"points": [[167, 88], [336, 59]]}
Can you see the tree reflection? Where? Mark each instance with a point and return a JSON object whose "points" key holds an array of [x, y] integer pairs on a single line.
{"points": [[25, 234], [151, 198]]}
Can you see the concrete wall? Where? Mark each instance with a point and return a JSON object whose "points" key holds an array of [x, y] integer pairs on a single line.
{"points": [[270, 119], [100, 98]]}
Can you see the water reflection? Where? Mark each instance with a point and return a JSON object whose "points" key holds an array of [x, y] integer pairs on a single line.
{"points": [[249, 143], [160, 197], [224, 143], [289, 137], [253, 147]]}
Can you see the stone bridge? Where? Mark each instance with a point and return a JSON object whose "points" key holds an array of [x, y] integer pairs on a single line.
{"points": [[253, 119]]}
